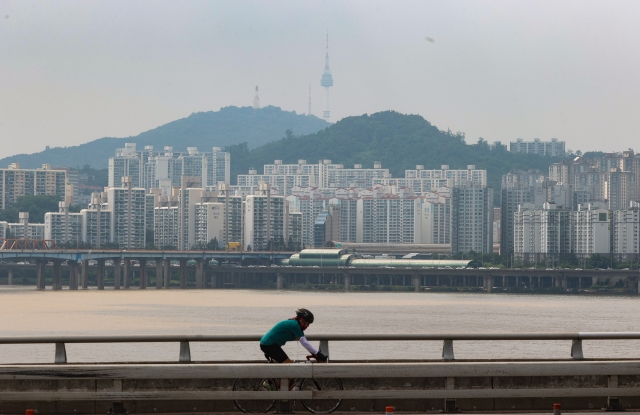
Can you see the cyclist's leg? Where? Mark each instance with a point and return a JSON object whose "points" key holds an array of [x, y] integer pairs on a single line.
{"points": [[275, 352]]}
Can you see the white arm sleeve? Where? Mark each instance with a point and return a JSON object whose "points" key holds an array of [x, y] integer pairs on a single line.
{"points": [[308, 346]]}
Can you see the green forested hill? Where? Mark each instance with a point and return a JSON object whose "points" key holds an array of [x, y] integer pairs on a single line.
{"points": [[398, 141], [204, 130]]}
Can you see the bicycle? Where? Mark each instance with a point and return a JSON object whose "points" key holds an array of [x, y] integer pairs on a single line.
{"points": [[316, 406]]}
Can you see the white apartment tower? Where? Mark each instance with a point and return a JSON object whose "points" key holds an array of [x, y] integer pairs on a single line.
{"points": [[264, 218]]}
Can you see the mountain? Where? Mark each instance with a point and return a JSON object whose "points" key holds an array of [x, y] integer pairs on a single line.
{"points": [[398, 141], [204, 130]]}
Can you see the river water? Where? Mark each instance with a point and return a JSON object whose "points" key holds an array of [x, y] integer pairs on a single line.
{"points": [[27, 312]]}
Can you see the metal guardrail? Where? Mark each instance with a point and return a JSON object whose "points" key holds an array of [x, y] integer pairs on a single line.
{"points": [[447, 339]]}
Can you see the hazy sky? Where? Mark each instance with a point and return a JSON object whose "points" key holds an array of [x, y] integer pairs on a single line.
{"points": [[74, 71]]}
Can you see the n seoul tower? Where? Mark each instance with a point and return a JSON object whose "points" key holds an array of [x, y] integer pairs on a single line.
{"points": [[327, 82]]}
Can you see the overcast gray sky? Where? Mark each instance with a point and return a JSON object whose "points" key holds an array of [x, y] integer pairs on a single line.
{"points": [[74, 71]]}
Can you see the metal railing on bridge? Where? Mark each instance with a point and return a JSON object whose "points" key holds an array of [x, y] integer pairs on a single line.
{"points": [[576, 339]]}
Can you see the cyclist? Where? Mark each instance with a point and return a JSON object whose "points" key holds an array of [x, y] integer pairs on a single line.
{"points": [[289, 330]]}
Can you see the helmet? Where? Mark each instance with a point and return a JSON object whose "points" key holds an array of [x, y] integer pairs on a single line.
{"points": [[305, 314]]}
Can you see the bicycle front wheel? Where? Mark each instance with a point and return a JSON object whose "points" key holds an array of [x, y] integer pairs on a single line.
{"points": [[251, 406], [321, 406]]}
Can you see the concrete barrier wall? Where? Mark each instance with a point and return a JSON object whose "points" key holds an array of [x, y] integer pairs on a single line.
{"points": [[410, 386]]}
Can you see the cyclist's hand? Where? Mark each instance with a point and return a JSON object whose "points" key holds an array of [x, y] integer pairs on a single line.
{"points": [[321, 357]]}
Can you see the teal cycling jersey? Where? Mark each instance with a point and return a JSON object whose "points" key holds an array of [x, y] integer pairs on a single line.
{"points": [[284, 331]]}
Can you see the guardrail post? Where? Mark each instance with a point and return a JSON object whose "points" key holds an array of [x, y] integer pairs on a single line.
{"points": [[324, 347], [284, 406], [447, 350], [61, 353], [450, 403], [613, 403], [347, 282], [185, 352], [576, 349], [10, 277]]}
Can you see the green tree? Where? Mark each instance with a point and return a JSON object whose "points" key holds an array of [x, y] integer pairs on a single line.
{"points": [[213, 245], [37, 206]]}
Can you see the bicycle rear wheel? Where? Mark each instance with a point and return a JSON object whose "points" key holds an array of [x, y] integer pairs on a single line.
{"points": [[321, 406], [255, 406]]}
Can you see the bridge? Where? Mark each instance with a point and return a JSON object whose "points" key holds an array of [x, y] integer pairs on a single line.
{"points": [[156, 268], [427, 383]]}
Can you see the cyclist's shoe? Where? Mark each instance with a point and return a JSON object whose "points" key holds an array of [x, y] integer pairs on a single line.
{"points": [[268, 385]]}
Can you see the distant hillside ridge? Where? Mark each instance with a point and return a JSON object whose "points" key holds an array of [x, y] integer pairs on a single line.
{"points": [[397, 140], [204, 130]]}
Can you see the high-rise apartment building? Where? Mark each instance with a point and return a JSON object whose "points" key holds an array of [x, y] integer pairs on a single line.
{"points": [[96, 221], [472, 218], [127, 206], [542, 234], [591, 230], [436, 217], [63, 227], [625, 224], [162, 169], [16, 182], [553, 148], [264, 219], [388, 218], [165, 227], [126, 163], [283, 178], [422, 180]]}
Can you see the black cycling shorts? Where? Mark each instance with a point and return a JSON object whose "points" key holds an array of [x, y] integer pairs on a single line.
{"points": [[274, 352]]}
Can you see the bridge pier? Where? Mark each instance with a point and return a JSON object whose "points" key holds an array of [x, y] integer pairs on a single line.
{"points": [[143, 274], [279, 281], [488, 284], [10, 277], [40, 275], [167, 272], [200, 273], [159, 280], [57, 283], [101, 274], [73, 275], [417, 286], [183, 274], [116, 274], [347, 282], [127, 274], [214, 280], [84, 274]]}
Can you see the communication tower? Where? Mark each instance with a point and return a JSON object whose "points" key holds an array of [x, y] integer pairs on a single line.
{"points": [[309, 98], [256, 100], [326, 82]]}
